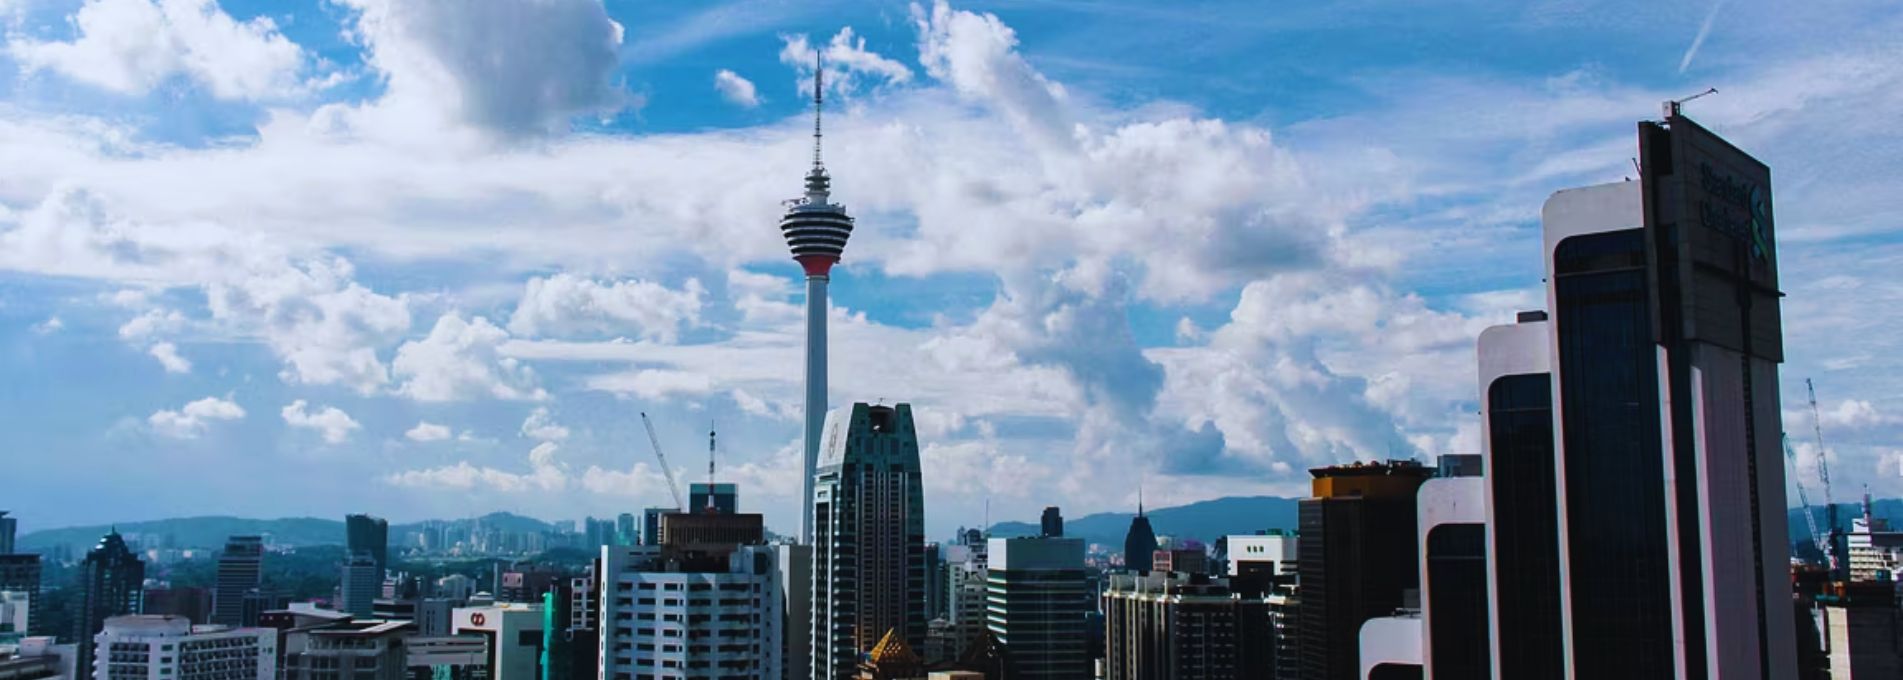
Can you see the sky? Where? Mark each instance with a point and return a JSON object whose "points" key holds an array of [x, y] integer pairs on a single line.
{"points": [[431, 258]]}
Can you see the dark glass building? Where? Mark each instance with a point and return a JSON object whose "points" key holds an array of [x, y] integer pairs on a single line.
{"points": [[1517, 424], [1358, 554], [869, 542], [111, 582], [240, 572], [1051, 525], [371, 535], [1139, 544]]}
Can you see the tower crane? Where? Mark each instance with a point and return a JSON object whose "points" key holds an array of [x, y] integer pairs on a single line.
{"points": [[673, 487], [1803, 499], [1823, 475]]}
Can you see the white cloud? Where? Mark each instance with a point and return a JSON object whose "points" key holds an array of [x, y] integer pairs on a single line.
{"points": [[152, 322], [540, 425], [848, 63], [736, 89], [195, 418], [426, 431], [545, 474], [133, 46], [458, 360], [168, 356], [329, 421], [565, 304], [500, 66], [51, 325], [655, 383]]}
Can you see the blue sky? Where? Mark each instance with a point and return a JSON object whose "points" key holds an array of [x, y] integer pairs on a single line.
{"points": [[428, 258]]}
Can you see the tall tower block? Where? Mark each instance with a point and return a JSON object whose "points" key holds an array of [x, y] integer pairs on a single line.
{"points": [[816, 230]]}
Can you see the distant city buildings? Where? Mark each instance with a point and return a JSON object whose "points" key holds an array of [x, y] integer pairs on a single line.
{"points": [[240, 574], [869, 544], [1139, 544], [1051, 523], [1184, 627], [138, 647]]}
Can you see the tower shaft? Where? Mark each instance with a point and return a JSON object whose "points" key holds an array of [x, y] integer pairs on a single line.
{"points": [[815, 395]]}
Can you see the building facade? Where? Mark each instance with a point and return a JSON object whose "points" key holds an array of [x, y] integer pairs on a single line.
{"points": [[1358, 556], [1036, 600], [1162, 626], [1516, 412], [21, 574], [869, 545], [140, 647], [512, 633], [240, 572], [353, 650], [111, 583], [665, 617]]}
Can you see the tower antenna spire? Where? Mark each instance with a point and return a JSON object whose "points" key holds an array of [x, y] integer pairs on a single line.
{"points": [[819, 101], [710, 467]]}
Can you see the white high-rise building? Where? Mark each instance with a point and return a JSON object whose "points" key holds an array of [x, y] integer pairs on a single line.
{"points": [[514, 633], [142, 647], [661, 616]]}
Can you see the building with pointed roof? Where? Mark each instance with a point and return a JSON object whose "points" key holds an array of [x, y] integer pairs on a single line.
{"points": [[1139, 545], [892, 659]]}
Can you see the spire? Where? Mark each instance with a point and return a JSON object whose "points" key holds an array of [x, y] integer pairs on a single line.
{"points": [[710, 468], [1139, 499], [818, 185]]}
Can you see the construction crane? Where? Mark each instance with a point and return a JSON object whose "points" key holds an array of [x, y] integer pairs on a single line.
{"points": [[1803, 500], [673, 487], [1823, 474]]}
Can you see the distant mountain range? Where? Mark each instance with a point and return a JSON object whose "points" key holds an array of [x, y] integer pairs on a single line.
{"points": [[211, 532], [1205, 521]]}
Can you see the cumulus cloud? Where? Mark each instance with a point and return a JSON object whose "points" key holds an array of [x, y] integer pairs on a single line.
{"points": [[168, 356], [849, 65], [426, 431], [736, 89], [133, 46], [51, 325], [540, 425], [500, 66], [458, 360], [654, 383], [195, 418], [565, 304], [332, 423], [545, 474]]}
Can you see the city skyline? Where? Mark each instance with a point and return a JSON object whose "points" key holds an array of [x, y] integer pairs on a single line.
{"points": [[287, 265]]}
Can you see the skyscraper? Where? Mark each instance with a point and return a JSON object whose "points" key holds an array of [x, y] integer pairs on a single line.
{"points": [[111, 580], [8, 527], [1037, 599], [1356, 558], [869, 544], [1516, 412], [626, 532], [1666, 339], [1139, 544], [816, 230], [366, 534], [1051, 525], [240, 571]]}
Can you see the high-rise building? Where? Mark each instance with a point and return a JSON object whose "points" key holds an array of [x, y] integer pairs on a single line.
{"points": [[627, 529], [240, 571], [1516, 412], [1666, 339], [816, 230], [513, 633], [597, 533], [138, 646], [21, 574], [869, 547], [8, 528], [1173, 626], [366, 534], [360, 585], [672, 613], [1139, 544], [1453, 575], [1051, 524], [1357, 558], [725, 497], [1269, 552], [14, 612], [1036, 605], [192, 604], [651, 524], [796, 609], [111, 584]]}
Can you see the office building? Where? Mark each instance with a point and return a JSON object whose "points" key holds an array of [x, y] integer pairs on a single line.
{"points": [[816, 230], [1516, 412], [111, 584], [527, 583], [192, 604], [21, 574], [15, 610], [869, 545], [456, 587], [1037, 597], [1164, 626], [240, 571], [512, 632], [1453, 575], [1357, 556], [358, 650], [1051, 523], [9, 528], [1139, 544], [448, 658], [668, 613], [796, 609], [1187, 560], [627, 529], [1666, 338], [597, 533], [934, 581], [1390, 647], [361, 583], [370, 535], [1875, 551], [138, 647], [723, 497], [715, 533], [1862, 630], [651, 524], [1269, 552]]}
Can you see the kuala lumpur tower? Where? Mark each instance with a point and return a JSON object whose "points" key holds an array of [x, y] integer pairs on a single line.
{"points": [[816, 230]]}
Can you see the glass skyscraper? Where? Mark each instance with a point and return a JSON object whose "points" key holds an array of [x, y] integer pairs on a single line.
{"points": [[869, 542]]}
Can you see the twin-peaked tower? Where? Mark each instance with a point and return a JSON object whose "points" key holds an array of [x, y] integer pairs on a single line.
{"points": [[816, 230]]}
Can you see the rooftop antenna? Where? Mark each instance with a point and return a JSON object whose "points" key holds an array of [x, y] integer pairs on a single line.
{"points": [[819, 100], [1672, 105], [987, 516], [710, 468]]}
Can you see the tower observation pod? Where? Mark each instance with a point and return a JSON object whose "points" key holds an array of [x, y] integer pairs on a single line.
{"points": [[816, 230]]}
